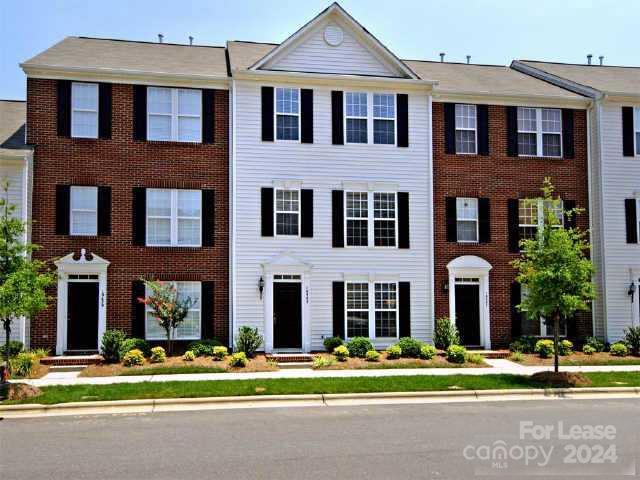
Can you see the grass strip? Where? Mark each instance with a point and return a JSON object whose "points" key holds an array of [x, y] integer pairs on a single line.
{"points": [[170, 370]]}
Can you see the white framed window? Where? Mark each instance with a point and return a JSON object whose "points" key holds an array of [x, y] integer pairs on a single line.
{"points": [[371, 300], [537, 327], [636, 126], [190, 328], [466, 129], [386, 306], [357, 309], [357, 219], [356, 116], [174, 114], [467, 220], [287, 113], [638, 217], [540, 132], [384, 219], [287, 212], [174, 217], [531, 215], [84, 110], [370, 118], [377, 226], [83, 211], [384, 119]]}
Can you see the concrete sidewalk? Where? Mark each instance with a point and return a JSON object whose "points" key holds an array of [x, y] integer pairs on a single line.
{"points": [[497, 366]]}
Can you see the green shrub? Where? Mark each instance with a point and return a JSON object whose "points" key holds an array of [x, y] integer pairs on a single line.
{"points": [[158, 355], [220, 352], [372, 356], [15, 347], [544, 348], [517, 357], [632, 339], [524, 344], [595, 343], [238, 359], [41, 352], [189, 356], [565, 348], [587, 349], [427, 352], [619, 349], [204, 348], [111, 345], [133, 358], [394, 352], [456, 354], [410, 347], [475, 358], [359, 346], [248, 341], [446, 333], [323, 362], [135, 344], [341, 353], [22, 364], [330, 343]]}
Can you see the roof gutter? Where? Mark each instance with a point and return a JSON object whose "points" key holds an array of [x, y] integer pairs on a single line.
{"points": [[510, 99]]}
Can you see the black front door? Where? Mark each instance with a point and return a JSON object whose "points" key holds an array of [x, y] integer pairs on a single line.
{"points": [[468, 313], [287, 315], [82, 316]]}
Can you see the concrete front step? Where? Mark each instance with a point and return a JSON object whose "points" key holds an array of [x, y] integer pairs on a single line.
{"points": [[67, 368], [76, 360], [493, 354], [291, 365]]}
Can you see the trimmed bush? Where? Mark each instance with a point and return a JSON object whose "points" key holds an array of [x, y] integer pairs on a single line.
{"points": [[632, 339], [158, 355], [475, 358], [238, 360], [394, 352], [427, 352], [517, 357], [22, 364], [135, 344], [111, 345], [341, 353], [595, 343], [587, 349], [619, 349], [524, 344], [15, 347], [220, 352], [372, 356], [189, 356], [322, 362], [410, 347], [133, 358], [359, 346], [330, 343], [445, 334], [456, 354], [544, 348], [248, 341], [204, 348], [565, 348]]}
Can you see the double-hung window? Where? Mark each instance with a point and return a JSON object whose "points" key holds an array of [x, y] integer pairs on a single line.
{"points": [[370, 112], [84, 211], [174, 217], [366, 226], [531, 215], [357, 114], [190, 328], [466, 128], [539, 132], [467, 219], [386, 305], [636, 124], [84, 110], [357, 309], [287, 114], [372, 300], [384, 119], [174, 114], [357, 219], [384, 219], [287, 212]]}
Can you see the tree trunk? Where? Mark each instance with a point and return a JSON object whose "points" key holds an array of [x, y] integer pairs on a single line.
{"points": [[556, 341], [7, 336], [169, 342]]}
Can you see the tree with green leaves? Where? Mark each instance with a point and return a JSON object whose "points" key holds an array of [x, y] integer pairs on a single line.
{"points": [[23, 281], [555, 269]]}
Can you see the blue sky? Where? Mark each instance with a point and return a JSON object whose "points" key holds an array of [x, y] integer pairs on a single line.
{"points": [[491, 31]]}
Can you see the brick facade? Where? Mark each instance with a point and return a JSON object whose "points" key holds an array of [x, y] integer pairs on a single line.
{"points": [[123, 164], [499, 178]]}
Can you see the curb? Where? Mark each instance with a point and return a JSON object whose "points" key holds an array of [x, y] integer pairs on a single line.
{"points": [[312, 400]]}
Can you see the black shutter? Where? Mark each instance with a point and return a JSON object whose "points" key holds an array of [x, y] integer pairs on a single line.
{"points": [[513, 219], [207, 310], [338, 309], [208, 218], [512, 131], [402, 102], [452, 219], [267, 114], [104, 109], [450, 128], [404, 312], [516, 316], [306, 219], [568, 140], [337, 125], [63, 202], [484, 216], [569, 220], [104, 210], [337, 218], [306, 115], [631, 220], [139, 112], [208, 115], [137, 309], [266, 209], [627, 132], [64, 108], [139, 213], [483, 129], [403, 220]]}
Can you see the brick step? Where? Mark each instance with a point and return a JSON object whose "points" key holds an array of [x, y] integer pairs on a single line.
{"points": [[493, 354], [65, 360], [290, 357]]}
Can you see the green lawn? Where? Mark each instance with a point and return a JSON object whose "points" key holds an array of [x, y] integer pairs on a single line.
{"points": [[126, 391], [171, 370]]}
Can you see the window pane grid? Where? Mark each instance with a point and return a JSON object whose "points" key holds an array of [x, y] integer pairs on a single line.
{"points": [[83, 211], [287, 210], [356, 115], [174, 114], [84, 110], [357, 310], [357, 219], [174, 217], [384, 214], [540, 132], [637, 129], [287, 113], [385, 309], [467, 219], [384, 114], [190, 328]]}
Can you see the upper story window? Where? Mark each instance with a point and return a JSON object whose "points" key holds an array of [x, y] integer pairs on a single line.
{"points": [[174, 217], [377, 300], [384, 118], [531, 215], [384, 219], [540, 132], [84, 110], [366, 226], [636, 124], [466, 128], [365, 113], [357, 219], [174, 114], [287, 114], [190, 328], [83, 211], [356, 113], [287, 212], [467, 219]]}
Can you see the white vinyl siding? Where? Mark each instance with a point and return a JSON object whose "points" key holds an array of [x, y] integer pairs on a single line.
{"points": [[467, 220], [174, 217], [83, 211], [287, 212], [540, 132], [287, 112], [84, 110], [466, 129], [190, 328], [174, 114]]}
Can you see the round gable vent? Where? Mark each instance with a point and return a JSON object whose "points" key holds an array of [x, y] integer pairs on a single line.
{"points": [[333, 35]]}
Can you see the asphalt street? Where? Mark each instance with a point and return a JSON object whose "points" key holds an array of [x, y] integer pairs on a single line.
{"points": [[440, 441]]}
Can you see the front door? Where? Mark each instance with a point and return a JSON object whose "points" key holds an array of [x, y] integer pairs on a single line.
{"points": [[287, 315], [468, 313], [82, 316]]}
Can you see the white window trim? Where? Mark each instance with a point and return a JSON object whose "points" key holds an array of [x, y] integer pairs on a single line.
{"points": [[477, 220], [370, 118], [174, 115], [475, 130], [540, 212], [275, 116], [395, 119], [173, 220], [347, 309], [371, 310], [636, 130], [638, 218], [396, 310], [84, 210], [196, 308], [539, 132], [276, 211], [96, 111], [370, 219]]}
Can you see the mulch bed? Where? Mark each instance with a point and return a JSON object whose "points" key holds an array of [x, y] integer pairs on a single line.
{"points": [[579, 358], [439, 361], [561, 379]]}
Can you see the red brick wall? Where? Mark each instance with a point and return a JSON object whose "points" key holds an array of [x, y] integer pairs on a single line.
{"points": [[122, 164], [499, 178]]}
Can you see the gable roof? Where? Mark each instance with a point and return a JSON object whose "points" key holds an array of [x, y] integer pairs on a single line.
{"points": [[13, 114]]}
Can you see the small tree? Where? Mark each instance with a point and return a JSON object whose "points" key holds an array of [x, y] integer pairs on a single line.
{"points": [[169, 309], [22, 280], [555, 269]]}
